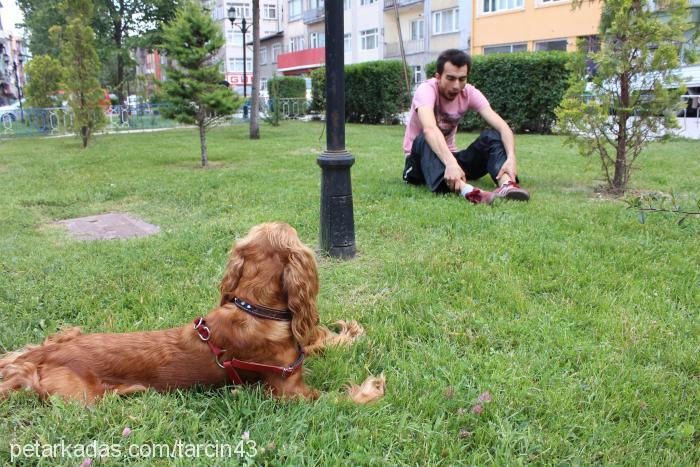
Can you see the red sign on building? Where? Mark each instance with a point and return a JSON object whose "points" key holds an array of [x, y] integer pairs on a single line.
{"points": [[236, 79]]}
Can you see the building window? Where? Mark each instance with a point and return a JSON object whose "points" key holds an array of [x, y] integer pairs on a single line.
{"points": [[316, 5], [276, 50], [369, 39], [217, 13], [269, 11], [263, 55], [501, 5], [417, 29], [296, 43], [505, 48], [237, 38], [294, 10], [347, 4], [242, 9], [446, 21], [416, 74], [317, 39], [592, 43], [367, 2], [236, 64], [263, 84], [559, 44], [347, 43]]}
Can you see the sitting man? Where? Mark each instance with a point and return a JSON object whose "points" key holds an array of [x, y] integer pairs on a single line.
{"points": [[429, 143]]}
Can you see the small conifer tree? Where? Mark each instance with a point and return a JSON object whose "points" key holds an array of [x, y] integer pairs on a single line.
{"points": [[79, 57], [194, 87], [635, 91]]}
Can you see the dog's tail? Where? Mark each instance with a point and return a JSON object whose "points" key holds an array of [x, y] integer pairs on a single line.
{"points": [[19, 369]]}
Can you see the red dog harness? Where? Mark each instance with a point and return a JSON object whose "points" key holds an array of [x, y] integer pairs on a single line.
{"points": [[230, 366]]}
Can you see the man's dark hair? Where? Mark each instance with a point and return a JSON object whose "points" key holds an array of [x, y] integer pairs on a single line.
{"points": [[457, 57]]}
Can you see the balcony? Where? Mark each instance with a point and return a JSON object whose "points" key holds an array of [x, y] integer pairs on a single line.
{"points": [[401, 3], [295, 63], [392, 49], [314, 15]]}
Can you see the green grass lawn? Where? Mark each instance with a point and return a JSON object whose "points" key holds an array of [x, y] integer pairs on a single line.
{"points": [[580, 322]]}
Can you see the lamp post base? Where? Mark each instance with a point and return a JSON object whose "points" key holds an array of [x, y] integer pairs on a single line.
{"points": [[337, 223]]}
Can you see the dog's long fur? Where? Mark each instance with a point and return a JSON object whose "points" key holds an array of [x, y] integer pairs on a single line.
{"points": [[269, 267]]}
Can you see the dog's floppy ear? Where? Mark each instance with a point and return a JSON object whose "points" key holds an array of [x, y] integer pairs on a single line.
{"points": [[301, 285], [234, 269]]}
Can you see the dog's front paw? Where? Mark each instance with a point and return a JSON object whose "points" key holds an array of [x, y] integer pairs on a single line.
{"points": [[370, 390], [348, 331]]}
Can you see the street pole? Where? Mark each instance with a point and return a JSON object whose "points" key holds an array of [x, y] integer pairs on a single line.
{"points": [[19, 90], [244, 30], [337, 232]]}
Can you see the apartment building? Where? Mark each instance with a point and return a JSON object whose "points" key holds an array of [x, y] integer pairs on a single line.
{"points": [[424, 28], [362, 32], [502, 26], [363, 26], [293, 36], [13, 53], [271, 23]]}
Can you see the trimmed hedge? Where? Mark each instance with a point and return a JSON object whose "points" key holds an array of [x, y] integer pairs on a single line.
{"points": [[374, 91], [524, 88], [287, 87]]}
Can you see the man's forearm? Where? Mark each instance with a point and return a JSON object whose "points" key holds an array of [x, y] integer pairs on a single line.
{"points": [[508, 142]]}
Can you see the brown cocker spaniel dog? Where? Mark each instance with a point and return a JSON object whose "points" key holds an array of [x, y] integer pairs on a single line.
{"points": [[267, 320]]}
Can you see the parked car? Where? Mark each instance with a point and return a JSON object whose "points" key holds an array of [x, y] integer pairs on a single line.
{"points": [[10, 112]]}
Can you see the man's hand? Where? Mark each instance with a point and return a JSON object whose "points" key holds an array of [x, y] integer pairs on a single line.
{"points": [[509, 168], [453, 175]]}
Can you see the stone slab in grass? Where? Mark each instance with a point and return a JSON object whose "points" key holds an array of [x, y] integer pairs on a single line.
{"points": [[108, 227]]}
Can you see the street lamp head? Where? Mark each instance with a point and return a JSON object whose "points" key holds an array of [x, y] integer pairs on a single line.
{"points": [[232, 15]]}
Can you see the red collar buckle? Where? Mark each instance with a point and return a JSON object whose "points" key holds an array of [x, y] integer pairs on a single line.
{"points": [[204, 333], [202, 329]]}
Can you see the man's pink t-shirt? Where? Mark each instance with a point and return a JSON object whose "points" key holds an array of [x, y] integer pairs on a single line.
{"points": [[447, 113]]}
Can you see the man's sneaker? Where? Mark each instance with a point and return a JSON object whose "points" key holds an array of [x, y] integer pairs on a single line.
{"points": [[511, 190], [477, 196]]}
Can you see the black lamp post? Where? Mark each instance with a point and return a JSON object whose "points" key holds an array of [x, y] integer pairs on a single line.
{"points": [[337, 223], [6, 58], [244, 28]]}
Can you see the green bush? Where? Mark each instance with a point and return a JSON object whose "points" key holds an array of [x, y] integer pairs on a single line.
{"points": [[287, 87], [318, 90], [524, 88], [374, 91]]}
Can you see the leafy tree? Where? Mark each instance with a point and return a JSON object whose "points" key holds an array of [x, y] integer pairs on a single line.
{"points": [[126, 24], [194, 87], [47, 78], [39, 17], [635, 91], [119, 26], [79, 57]]}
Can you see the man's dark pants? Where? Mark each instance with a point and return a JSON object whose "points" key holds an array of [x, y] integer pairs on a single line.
{"points": [[486, 155]]}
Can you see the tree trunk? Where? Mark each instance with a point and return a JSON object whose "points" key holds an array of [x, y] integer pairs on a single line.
{"points": [[118, 37], [620, 176], [203, 142], [85, 135], [255, 99]]}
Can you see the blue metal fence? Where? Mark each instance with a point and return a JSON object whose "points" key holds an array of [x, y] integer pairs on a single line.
{"points": [[57, 121]]}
